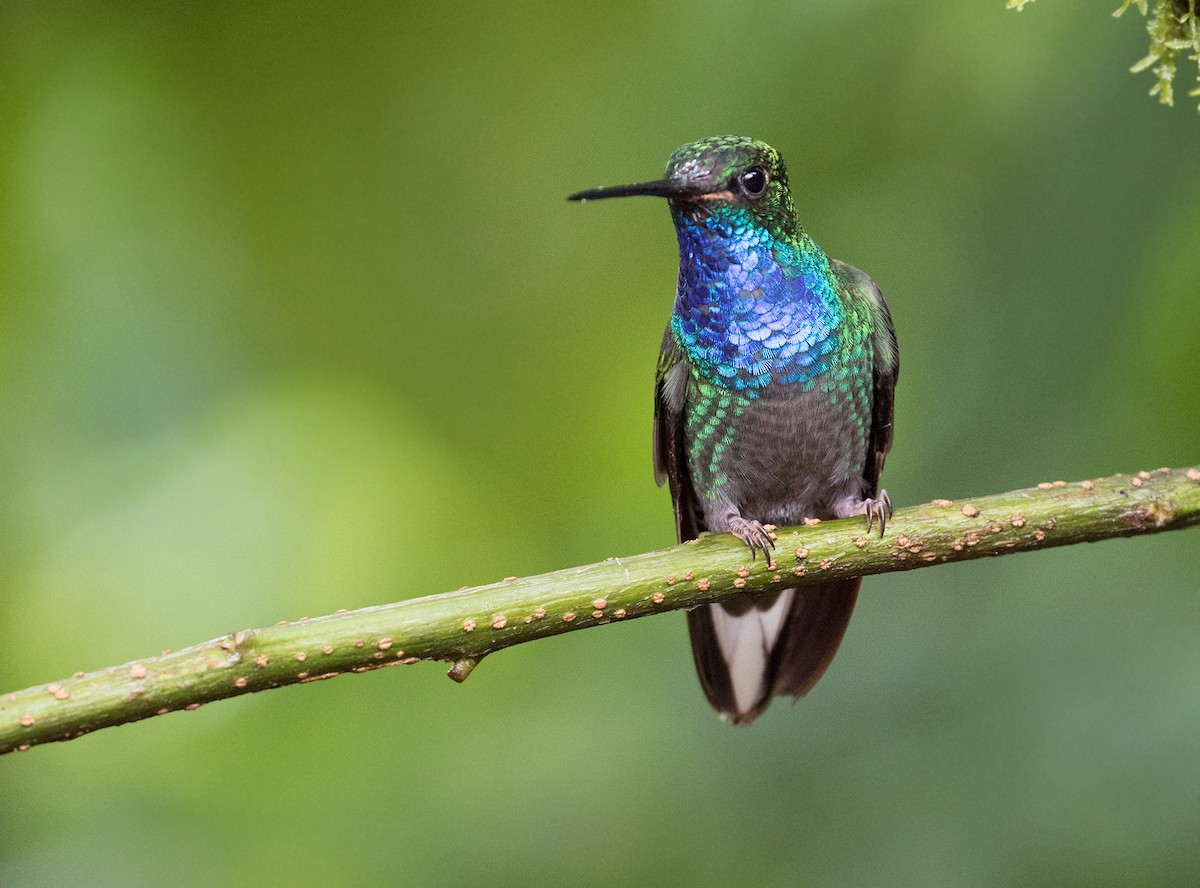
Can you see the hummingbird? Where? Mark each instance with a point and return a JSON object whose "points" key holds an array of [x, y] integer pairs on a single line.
{"points": [[772, 405]]}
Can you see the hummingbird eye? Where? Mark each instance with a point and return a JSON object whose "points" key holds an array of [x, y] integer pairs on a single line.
{"points": [[754, 181]]}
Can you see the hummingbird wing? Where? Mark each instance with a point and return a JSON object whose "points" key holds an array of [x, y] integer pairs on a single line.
{"points": [[670, 458], [886, 369]]}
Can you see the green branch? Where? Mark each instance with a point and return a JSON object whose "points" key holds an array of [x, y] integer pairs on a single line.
{"points": [[465, 626]]}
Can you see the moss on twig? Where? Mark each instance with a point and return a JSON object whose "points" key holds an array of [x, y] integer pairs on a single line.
{"points": [[1174, 29]]}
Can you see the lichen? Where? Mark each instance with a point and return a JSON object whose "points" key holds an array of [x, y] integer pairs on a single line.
{"points": [[1174, 28]]}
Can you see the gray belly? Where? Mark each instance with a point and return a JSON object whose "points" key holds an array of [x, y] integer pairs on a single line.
{"points": [[791, 455]]}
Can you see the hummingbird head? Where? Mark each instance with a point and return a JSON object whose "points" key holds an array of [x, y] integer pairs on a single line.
{"points": [[719, 176]]}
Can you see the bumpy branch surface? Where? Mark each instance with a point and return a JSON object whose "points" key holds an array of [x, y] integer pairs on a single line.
{"points": [[462, 627]]}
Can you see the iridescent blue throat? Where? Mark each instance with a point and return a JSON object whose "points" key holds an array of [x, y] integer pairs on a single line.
{"points": [[752, 309]]}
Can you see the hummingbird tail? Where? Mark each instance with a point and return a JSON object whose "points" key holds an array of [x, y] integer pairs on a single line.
{"points": [[750, 649]]}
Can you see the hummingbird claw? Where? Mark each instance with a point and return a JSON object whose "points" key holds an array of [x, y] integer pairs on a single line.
{"points": [[878, 509], [754, 535]]}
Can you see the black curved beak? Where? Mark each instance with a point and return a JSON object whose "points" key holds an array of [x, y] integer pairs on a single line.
{"points": [[667, 188]]}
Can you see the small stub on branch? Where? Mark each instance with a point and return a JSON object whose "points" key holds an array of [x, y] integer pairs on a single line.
{"points": [[460, 669]]}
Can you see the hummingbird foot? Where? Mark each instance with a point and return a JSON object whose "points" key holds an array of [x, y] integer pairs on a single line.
{"points": [[878, 509], [753, 534]]}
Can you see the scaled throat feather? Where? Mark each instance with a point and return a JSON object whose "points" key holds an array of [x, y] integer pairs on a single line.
{"points": [[751, 309]]}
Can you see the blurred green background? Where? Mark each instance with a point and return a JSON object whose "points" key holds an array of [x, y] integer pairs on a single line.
{"points": [[291, 296]]}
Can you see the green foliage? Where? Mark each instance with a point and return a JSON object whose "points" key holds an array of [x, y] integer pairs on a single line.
{"points": [[1174, 28]]}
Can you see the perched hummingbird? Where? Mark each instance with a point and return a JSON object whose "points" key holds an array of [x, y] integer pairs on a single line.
{"points": [[772, 404]]}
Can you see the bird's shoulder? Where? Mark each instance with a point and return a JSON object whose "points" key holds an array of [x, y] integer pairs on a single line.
{"points": [[858, 286], [670, 392]]}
